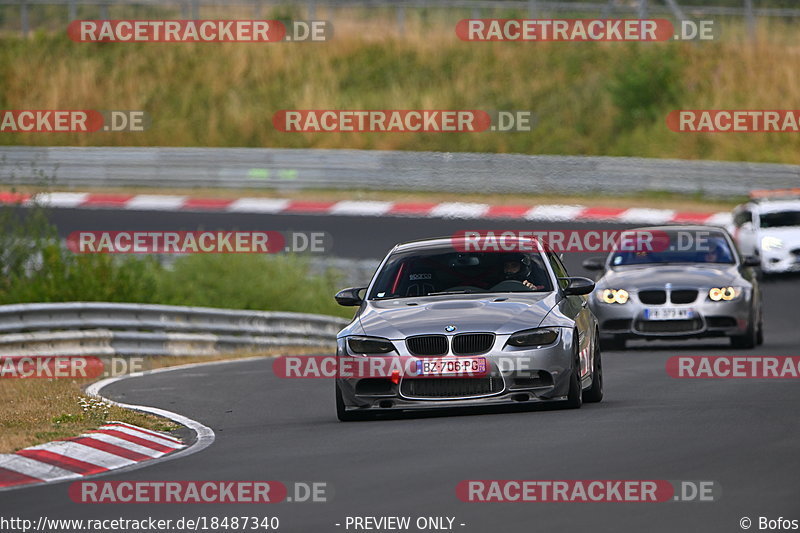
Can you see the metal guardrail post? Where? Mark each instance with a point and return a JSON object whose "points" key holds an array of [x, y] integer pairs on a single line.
{"points": [[533, 9], [72, 10], [676, 9], [642, 12], [401, 20], [751, 19], [23, 15]]}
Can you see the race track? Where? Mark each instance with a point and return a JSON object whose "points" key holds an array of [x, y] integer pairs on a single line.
{"points": [[742, 434]]}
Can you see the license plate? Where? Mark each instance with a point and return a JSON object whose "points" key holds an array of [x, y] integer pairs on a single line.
{"points": [[668, 313], [449, 367]]}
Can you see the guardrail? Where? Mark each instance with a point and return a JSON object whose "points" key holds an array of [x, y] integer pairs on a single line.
{"points": [[107, 329], [272, 168]]}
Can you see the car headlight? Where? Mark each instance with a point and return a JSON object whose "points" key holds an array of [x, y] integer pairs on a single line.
{"points": [[533, 337], [771, 243], [613, 296], [724, 294], [369, 345]]}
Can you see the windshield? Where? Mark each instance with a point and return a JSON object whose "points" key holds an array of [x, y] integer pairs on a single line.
{"points": [[444, 271], [683, 247], [780, 219]]}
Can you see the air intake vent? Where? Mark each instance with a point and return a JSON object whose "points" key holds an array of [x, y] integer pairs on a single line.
{"points": [[683, 296], [450, 387], [653, 297], [472, 343], [427, 345]]}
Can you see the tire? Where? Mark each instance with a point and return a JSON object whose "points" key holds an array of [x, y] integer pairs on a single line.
{"points": [[594, 394], [575, 394], [341, 411], [615, 343], [747, 341]]}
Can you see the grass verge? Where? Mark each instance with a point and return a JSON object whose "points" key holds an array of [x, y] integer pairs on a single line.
{"points": [[36, 411], [607, 98]]}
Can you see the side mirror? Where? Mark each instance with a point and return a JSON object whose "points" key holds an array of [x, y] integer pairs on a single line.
{"points": [[594, 263], [350, 296], [578, 286], [747, 226], [751, 261]]}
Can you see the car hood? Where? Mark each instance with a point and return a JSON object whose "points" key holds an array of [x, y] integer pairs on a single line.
{"points": [[789, 236], [637, 277], [499, 313]]}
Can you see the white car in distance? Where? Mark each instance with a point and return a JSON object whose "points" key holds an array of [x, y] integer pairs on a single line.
{"points": [[768, 227]]}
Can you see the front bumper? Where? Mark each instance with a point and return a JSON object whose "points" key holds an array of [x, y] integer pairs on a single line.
{"points": [[709, 319], [779, 261], [514, 375]]}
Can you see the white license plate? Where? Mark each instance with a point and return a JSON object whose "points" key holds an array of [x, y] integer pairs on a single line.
{"points": [[449, 367], [668, 313]]}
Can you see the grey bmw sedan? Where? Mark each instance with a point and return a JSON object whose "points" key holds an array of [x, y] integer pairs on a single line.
{"points": [[691, 283], [449, 328]]}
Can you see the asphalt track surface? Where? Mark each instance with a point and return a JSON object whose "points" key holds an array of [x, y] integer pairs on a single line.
{"points": [[742, 434]]}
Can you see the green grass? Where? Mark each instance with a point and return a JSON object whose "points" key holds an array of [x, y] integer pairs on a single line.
{"points": [[589, 98], [38, 269]]}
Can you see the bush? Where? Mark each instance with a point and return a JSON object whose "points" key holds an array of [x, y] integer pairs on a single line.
{"points": [[644, 86], [245, 281], [37, 268]]}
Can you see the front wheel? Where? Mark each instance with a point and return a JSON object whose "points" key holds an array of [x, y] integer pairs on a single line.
{"points": [[747, 341], [341, 411], [760, 334], [594, 393], [575, 394]]}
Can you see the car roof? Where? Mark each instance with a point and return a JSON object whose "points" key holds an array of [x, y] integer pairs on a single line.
{"points": [[676, 227], [772, 206], [438, 242]]}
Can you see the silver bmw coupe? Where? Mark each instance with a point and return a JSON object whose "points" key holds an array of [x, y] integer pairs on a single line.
{"points": [[441, 327]]}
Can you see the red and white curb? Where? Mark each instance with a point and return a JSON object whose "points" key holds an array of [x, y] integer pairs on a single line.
{"points": [[456, 210], [112, 446]]}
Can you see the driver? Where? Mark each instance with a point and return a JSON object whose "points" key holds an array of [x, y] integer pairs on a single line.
{"points": [[715, 254], [519, 269]]}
